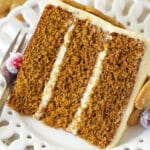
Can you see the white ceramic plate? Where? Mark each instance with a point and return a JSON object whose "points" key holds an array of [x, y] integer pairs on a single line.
{"points": [[25, 133]]}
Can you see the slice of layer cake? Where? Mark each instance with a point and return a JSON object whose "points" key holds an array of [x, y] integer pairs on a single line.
{"points": [[81, 73]]}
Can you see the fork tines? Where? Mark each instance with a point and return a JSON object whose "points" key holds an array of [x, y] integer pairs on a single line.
{"points": [[15, 47], [18, 45]]}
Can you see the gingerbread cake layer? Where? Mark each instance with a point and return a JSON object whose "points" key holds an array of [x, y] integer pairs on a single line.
{"points": [[81, 73], [39, 59]]}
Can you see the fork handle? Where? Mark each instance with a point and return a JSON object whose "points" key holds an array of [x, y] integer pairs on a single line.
{"points": [[4, 98]]}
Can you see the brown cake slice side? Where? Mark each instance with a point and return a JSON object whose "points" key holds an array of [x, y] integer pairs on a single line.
{"points": [[91, 75], [39, 58]]}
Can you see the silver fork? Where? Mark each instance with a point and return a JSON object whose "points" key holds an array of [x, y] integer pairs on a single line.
{"points": [[13, 48]]}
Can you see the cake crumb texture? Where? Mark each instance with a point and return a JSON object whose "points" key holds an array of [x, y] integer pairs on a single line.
{"points": [[110, 97], [39, 59], [86, 42]]}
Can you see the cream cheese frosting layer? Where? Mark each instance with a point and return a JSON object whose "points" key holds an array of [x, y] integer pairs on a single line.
{"points": [[106, 26], [84, 100]]}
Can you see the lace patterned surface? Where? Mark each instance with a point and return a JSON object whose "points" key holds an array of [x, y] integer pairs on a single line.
{"points": [[25, 133]]}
